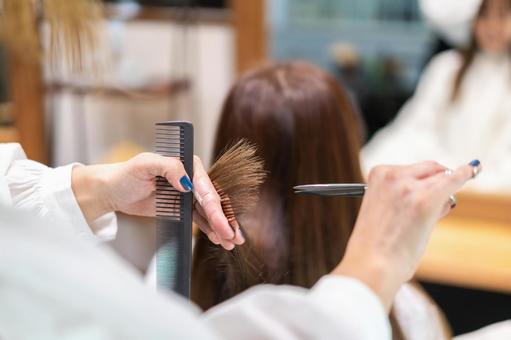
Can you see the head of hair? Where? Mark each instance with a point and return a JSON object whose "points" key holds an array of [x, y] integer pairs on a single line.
{"points": [[468, 54], [305, 130]]}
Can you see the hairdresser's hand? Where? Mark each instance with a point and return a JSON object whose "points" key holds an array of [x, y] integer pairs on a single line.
{"points": [[129, 187], [208, 214], [399, 210]]}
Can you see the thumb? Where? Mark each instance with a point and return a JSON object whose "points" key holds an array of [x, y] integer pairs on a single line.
{"points": [[172, 169]]}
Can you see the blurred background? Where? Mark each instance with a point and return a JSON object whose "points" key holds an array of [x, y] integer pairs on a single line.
{"points": [[164, 60]]}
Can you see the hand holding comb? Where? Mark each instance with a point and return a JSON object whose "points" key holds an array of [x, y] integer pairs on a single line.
{"points": [[236, 176]]}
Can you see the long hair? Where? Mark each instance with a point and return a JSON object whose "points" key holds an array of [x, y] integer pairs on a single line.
{"points": [[305, 129], [467, 56]]}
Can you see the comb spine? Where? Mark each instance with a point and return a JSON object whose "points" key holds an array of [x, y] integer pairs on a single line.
{"points": [[174, 222]]}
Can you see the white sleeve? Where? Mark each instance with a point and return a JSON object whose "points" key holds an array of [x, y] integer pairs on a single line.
{"points": [[413, 135], [70, 289], [497, 331], [335, 308], [47, 193]]}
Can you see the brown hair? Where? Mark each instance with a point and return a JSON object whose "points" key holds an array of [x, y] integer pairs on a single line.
{"points": [[304, 127], [467, 57]]}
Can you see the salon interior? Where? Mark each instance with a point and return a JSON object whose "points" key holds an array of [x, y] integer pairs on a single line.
{"points": [[428, 80]]}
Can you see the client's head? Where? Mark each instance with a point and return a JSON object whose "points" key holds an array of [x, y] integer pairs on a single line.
{"points": [[302, 122]]}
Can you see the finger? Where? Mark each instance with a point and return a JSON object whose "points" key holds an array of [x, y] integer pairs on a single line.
{"points": [[445, 185], [238, 239], [391, 173], [206, 229], [209, 200], [423, 170], [197, 208], [227, 245], [204, 226], [447, 208], [173, 170]]}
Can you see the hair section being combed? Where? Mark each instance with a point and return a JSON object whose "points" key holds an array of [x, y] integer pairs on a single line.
{"points": [[237, 175]]}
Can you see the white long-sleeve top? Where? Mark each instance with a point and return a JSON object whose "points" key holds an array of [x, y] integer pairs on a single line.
{"points": [[54, 285], [476, 126], [46, 192]]}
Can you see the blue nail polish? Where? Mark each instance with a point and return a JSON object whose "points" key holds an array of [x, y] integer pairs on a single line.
{"points": [[186, 183], [474, 163]]}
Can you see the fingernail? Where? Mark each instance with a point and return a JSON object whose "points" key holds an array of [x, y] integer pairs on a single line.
{"points": [[234, 225], [239, 236], [476, 167], [186, 183], [228, 245], [474, 163]]}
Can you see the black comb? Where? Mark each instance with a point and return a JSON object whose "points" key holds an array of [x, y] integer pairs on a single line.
{"points": [[174, 211]]}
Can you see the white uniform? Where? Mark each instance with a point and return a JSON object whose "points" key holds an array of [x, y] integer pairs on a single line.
{"points": [[55, 286], [47, 193], [476, 126]]}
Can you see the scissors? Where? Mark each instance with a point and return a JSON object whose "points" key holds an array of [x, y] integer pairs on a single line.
{"points": [[343, 190], [333, 189]]}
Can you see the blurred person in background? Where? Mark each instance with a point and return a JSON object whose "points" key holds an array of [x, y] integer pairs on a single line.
{"points": [[462, 104]]}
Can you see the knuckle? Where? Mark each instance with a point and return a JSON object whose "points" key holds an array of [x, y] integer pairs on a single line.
{"points": [[405, 188], [144, 161], [174, 162], [383, 173], [210, 199], [376, 173], [143, 155], [389, 174], [432, 164], [142, 158], [173, 166], [421, 204]]}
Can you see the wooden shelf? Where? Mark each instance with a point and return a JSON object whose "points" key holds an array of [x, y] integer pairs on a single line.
{"points": [[161, 90], [169, 14], [8, 135]]}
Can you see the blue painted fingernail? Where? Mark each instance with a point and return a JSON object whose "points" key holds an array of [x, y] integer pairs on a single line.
{"points": [[186, 183], [474, 163]]}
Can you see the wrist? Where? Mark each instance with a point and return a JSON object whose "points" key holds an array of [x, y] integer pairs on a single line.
{"points": [[374, 271], [90, 189]]}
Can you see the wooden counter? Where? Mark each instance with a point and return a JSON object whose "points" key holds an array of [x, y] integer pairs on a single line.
{"points": [[472, 247]]}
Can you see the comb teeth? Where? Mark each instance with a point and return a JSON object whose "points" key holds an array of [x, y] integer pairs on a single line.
{"points": [[169, 143], [174, 211], [226, 203]]}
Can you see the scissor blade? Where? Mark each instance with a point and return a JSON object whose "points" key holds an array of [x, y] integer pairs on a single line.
{"points": [[333, 189]]}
